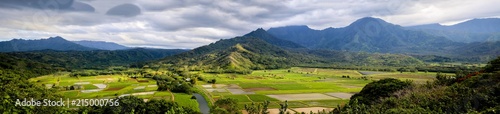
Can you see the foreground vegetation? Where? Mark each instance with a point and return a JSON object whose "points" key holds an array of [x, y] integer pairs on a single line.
{"points": [[475, 92]]}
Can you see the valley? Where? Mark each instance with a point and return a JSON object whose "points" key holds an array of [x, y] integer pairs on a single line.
{"points": [[304, 89]]}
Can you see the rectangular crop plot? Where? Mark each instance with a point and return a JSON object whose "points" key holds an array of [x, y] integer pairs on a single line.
{"points": [[341, 95], [239, 91], [260, 98], [240, 98], [300, 97]]}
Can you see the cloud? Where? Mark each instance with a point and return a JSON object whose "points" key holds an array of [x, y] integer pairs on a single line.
{"points": [[193, 23], [80, 6], [125, 10]]}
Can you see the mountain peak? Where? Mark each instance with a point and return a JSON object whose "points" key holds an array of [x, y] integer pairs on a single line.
{"points": [[57, 38], [264, 35], [365, 21]]}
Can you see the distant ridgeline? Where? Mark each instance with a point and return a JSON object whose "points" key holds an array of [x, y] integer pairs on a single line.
{"points": [[57, 43]]}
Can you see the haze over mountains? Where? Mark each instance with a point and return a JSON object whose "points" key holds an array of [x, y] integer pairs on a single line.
{"points": [[475, 30]]}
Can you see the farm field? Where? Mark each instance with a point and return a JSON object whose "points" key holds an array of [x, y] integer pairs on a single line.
{"points": [[303, 88], [111, 86]]}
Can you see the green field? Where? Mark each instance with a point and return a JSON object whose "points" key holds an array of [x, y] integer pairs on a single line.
{"points": [[298, 80], [116, 85], [258, 85]]}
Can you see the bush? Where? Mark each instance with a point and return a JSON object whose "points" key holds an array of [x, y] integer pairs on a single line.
{"points": [[373, 91]]}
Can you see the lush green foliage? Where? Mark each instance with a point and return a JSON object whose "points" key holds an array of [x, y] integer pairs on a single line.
{"points": [[71, 60], [372, 92], [471, 93], [225, 106], [134, 105], [240, 55], [257, 108], [493, 65], [16, 87], [244, 54]]}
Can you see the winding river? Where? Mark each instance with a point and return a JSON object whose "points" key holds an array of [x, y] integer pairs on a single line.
{"points": [[202, 103]]}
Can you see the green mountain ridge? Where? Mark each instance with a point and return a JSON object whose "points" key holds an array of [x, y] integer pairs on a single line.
{"points": [[246, 53], [98, 59], [236, 54]]}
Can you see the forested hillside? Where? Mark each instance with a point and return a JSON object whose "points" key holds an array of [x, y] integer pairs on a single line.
{"points": [[239, 54], [67, 60], [467, 92], [243, 54], [375, 35]]}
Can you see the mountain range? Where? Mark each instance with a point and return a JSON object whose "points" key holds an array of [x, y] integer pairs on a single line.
{"points": [[366, 34], [367, 41], [375, 35], [261, 50], [52, 43], [474, 30], [57, 43]]}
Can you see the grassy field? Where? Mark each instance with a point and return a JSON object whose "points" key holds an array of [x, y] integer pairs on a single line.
{"points": [[303, 80], [259, 86], [116, 85]]}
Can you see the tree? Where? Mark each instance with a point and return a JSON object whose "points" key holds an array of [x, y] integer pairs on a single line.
{"points": [[193, 81], [493, 65], [15, 85], [257, 108], [283, 107], [228, 105], [373, 91], [213, 81]]}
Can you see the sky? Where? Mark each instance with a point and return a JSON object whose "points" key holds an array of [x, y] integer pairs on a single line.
{"points": [[189, 24]]}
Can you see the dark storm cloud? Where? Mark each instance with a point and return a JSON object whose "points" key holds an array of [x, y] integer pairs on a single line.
{"points": [[55, 5], [80, 6], [125, 10], [39, 4]]}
